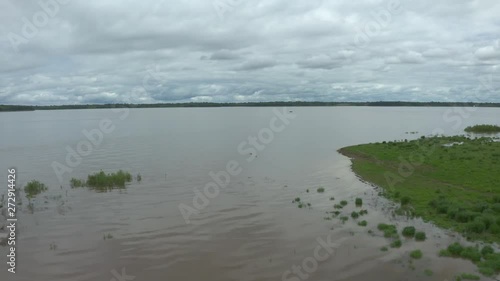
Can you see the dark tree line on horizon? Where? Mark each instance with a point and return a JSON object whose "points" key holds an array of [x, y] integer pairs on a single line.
{"points": [[247, 104]]}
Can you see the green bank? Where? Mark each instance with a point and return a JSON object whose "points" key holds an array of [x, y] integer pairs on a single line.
{"points": [[453, 182]]}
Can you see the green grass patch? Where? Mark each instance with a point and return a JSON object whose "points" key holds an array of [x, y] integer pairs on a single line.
{"points": [[396, 244], [384, 249], [363, 223], [321, 189], [416, 254], [33, 188], [487, 261], [408, 232], [428, 272], [343, 203], [354, 215], [75, 183], [468, 276], [420, 236], [359, 202], [483, 129], [389, 230], [105, 181], [454, 186]]}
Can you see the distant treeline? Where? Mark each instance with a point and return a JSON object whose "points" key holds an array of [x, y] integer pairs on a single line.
{"points": [[246, 104]]}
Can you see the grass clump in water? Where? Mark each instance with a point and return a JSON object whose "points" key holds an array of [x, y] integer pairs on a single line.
{"points": [[363, 212], [384, 249], [343, 203], [359, 202], [420, 236], [396, 243], [390, 230], [103, 181], [486, 129], [416, 254], [75, 183], [354, 215], [363, 223], [409, 231], [33, 188], [321, 189], [487, 261], [468, 276], [428, 272]]}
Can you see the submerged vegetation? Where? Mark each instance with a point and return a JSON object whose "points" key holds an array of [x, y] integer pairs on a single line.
{"points": [[416, 254], [486, 259], [33, 188], [453, 186], [483, 129]]}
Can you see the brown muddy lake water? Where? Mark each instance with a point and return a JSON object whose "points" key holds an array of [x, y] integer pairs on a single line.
{"points": [[249, 229]]}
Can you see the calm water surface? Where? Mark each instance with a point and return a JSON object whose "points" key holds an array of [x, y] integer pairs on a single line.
{"points": [[249, 231]]}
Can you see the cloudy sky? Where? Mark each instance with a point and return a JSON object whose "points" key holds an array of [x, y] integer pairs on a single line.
{"points": [[150, 51]]}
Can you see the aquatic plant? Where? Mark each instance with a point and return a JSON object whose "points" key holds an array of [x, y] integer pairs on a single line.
{"points": [[468, 276], [359, 202], [33, 188], [487, 129], [396, 243], [321, 189], [420, 236], [363, 223], [343, 203], [487, 262], [416, 254], [103, 181], [76, 183], [389, 230], [408, 232], [354, 215]]}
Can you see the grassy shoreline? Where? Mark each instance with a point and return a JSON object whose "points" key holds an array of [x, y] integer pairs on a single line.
{"points": [[450, 181]]}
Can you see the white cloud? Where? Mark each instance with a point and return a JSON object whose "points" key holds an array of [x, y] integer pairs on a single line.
{"points": [[104, 51]]}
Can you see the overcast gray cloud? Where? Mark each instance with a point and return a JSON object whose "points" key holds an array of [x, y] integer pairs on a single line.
{"points": [[102, 51]]}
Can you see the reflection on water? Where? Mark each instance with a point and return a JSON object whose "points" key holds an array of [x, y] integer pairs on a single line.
{"points": [[250, 231]]}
